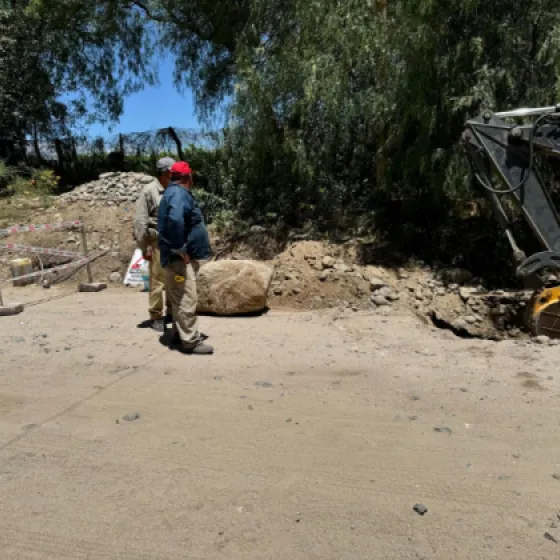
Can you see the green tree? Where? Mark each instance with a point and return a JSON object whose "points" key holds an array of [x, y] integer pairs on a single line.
{"points": [[83, 50]]}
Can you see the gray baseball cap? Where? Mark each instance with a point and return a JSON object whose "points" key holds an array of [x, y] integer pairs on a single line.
{"points": [[165, 164]]}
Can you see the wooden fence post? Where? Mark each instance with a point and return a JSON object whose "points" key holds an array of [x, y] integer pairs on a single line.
{"points": [[86, 252]]}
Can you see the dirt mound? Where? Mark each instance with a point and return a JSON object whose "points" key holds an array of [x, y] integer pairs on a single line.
{"points": [[313, 274], [109, 230]]}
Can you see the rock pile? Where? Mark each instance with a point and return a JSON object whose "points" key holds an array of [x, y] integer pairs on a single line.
{"points": [[111, 189], [480, 313], [382, 293]]}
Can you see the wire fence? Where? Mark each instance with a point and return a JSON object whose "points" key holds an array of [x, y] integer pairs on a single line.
{"points": [[170, 140]]}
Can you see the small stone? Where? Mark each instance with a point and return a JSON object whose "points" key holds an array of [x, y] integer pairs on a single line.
{"points": [[470, 319], [460, 324], [541, 339], [556, 476], [380, 301], [250, 407], [377, 283], [341, 267], [323, 276], [115, 277], [264, 384], [328, 262], [550, 537], [278, 290], [131, 417], [420, 509], [443, 430], [465, 293]]}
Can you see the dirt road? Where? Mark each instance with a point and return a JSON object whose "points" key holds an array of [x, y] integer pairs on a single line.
{"points": [[306, 436]]}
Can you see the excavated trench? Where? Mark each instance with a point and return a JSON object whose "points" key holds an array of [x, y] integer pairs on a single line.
{"points": [[496, 315]]}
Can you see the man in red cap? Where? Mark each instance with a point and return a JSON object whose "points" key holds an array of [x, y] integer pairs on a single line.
{"points": [[184, 246]]}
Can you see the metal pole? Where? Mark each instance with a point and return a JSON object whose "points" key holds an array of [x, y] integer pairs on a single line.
{"points": [[86, 253]]}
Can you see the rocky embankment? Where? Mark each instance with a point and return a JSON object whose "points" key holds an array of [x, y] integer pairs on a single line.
{"points": [[112, 189], [313, 274]]}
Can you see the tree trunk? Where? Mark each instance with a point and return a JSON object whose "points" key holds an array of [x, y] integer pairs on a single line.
{"points": [[177, 141]]}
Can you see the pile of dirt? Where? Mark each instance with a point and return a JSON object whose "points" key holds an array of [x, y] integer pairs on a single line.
{"points": [[308, 274], [110, 230]]}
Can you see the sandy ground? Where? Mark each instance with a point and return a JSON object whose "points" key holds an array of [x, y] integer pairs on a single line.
{"points": [[306, 436]]}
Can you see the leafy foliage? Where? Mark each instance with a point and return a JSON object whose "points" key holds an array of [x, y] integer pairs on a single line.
{"points": [[350, 115], [52, 48]]}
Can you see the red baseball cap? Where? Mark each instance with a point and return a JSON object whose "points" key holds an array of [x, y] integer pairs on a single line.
{"points": [[181, 168]]}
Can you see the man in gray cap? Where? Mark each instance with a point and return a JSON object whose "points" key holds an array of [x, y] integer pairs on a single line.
{"points": [[146, 236]]}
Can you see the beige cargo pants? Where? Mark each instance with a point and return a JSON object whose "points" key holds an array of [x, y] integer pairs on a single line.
{"points": [[180, 279], [157, 286]]}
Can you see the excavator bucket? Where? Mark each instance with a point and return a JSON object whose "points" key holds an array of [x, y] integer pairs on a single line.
{"points": [[543, 313]]}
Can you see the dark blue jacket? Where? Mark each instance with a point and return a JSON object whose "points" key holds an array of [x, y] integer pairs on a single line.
{"points": [[181, 227]]}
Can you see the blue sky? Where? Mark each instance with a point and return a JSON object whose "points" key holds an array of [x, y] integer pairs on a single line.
{"points": [[154, 107]]}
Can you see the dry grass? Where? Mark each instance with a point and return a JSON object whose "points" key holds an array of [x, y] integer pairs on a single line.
{"points": [[16, 209]]}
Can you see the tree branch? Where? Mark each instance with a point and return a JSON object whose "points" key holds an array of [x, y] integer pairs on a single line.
{"points": [[149, 14]]}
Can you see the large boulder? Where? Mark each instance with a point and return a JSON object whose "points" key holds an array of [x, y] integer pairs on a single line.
{"points": [[231, 287]]}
